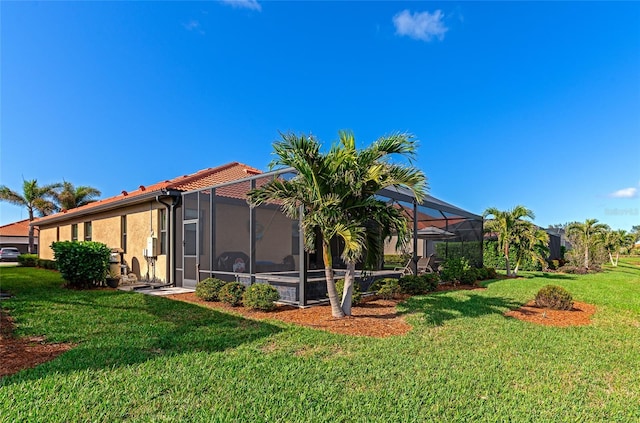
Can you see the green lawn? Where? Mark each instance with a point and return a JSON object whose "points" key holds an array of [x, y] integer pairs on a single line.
{"points": [[145, 358]]}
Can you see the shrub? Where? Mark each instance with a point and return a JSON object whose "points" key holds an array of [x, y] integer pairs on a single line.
{"points": [[208, 289], [454, 268], [47, 264], [396, 260], [554, 297], [260, 296], [575, 270], [554, 264], [469, 276], [411, 284], [491, 273], [28, 260], [231, 293], [356, 295], [431, 281], [483, 273], [386, 288], [82, 264]]}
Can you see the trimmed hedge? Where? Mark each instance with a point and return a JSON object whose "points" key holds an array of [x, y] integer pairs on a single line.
{"points": [[209, 289], [83, 264], [231, 293], [387, 288], [28, 260], [260, 296], [47, 264]]}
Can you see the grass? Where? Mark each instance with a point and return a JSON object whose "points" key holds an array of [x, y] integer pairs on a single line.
{"points": [[143, 358]]}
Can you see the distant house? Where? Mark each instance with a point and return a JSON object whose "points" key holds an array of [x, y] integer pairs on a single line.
{"points": [[17, 235]]}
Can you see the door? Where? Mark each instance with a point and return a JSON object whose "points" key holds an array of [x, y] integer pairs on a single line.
{"points": [[190, 253]]}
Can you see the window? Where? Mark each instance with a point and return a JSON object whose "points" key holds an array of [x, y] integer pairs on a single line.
{"points": [[163, 230], [87, 231], [74, 232], [123, 233]]}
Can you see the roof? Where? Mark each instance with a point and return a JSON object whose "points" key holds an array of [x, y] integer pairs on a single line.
{"points": [[20, 228], [201, 179]]}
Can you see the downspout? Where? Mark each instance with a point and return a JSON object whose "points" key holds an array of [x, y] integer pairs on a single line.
{"points": [[175, 200]]}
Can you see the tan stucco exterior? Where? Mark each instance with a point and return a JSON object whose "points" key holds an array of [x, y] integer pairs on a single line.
{"points": [[142, 221]]}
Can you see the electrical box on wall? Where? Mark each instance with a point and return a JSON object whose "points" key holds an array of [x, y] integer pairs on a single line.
{"points": [[151, 250]]}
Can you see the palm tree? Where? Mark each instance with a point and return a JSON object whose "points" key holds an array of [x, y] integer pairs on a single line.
{"points": [[588, 234], [35, 198], [530, 242], [504, 225], [613, 241], [331, 195], [70, 197]]}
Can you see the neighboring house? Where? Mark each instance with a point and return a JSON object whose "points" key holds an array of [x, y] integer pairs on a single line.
{"points": [[17, 235], [136, 222]]}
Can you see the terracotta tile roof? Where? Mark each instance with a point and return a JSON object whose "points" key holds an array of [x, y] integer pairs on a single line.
{"points": [[20, 228], [201, 179]]}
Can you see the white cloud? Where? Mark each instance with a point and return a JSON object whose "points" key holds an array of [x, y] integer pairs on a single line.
{"points": [[625, 193], [420, 25], [193, 25], [244, 4]]}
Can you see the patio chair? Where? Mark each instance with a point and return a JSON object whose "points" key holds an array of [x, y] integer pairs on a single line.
{"points": [[425, 264], [406, 270]]}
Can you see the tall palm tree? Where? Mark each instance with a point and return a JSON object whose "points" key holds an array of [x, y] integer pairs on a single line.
{"points": [[330, 193], [70, 196], [504, 224], [35, 198], [588, 234]]}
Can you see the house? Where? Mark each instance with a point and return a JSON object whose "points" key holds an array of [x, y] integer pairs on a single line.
{"points": [[136, 222], [16, 234], [186, 229]]}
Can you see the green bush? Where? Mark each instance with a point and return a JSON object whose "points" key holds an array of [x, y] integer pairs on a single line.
{"points": [[491, 273], [356, 295], [231, 293], [483, 273], [430, 281], [386, 288], [47, 264], [28, 260], [454, 269], [469, 276], [260, 296], [208, 289], [82, 264], [395, 260], [554, 297]]}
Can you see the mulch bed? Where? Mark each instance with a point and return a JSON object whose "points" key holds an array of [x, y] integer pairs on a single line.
{"points": [[375, 317], [579, 315], [23, 353]]}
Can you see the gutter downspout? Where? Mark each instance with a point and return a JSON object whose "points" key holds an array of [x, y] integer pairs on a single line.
{"points": [[175, 200]]}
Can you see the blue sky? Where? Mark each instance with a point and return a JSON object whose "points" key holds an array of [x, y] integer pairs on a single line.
{"points": [[513, 103]]}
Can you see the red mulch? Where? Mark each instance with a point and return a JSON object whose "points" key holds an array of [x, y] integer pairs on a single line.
{"points": [[23, 353], [375, 317], [579, 315]]}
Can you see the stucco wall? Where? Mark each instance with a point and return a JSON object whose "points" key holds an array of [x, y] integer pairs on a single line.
{"points": [[106, 228]]}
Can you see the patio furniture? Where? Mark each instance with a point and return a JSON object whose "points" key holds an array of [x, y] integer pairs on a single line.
{"points": [[426, 264], [406, 270]]}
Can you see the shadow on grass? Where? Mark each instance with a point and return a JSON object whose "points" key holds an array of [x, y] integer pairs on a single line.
{"points": [[437, 308], [117, 330]]}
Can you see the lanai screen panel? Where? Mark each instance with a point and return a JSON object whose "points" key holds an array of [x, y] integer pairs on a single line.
{"points": [[276, 235], [230, 215]]}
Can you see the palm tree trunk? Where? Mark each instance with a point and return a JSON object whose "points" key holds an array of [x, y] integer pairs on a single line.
{"points": [[347, 291], [611, 259], [30, 231], [617, 258], [506, 260], [586, 256], [332, 292]]}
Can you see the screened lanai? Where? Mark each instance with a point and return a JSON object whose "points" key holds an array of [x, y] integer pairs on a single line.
{"points": [[217, 234]]}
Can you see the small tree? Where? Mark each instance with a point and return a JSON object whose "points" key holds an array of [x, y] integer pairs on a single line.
{"points": [[586, 238], [70, 196], [506, 225]]}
